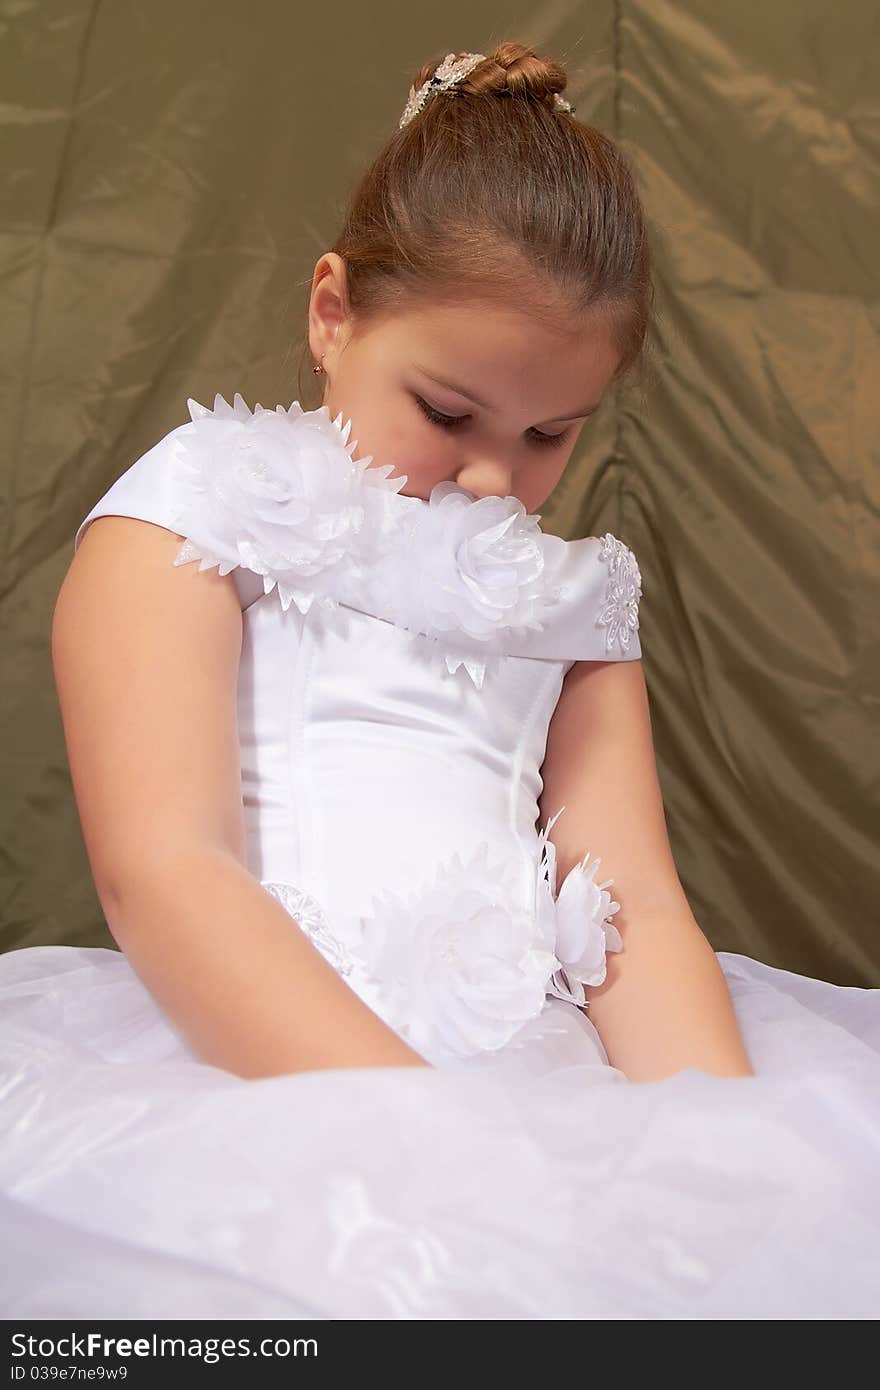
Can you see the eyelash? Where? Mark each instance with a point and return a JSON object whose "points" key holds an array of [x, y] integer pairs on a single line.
{"points": [[451, 422]]}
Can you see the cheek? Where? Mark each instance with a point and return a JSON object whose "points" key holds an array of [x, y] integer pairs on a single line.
{"points": [[550, 469], [395, 435], [539, 481]]}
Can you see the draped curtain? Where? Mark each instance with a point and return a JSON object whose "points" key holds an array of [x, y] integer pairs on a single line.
{"points": [[171, 173]]}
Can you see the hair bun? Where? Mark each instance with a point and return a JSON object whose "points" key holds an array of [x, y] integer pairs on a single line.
{"points": [[514, 68], [511, 69]]}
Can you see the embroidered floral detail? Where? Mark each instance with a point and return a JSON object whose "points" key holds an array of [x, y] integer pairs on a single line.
{"points": [[280, 493], [469, 574], [309, 914], [459, 970], [584, 931], [620, 613]]}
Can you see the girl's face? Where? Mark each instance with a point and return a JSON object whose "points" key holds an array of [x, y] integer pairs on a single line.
{"points": [[482, 396]]}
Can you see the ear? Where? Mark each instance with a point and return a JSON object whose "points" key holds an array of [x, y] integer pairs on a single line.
{"points": [[328, 305]]}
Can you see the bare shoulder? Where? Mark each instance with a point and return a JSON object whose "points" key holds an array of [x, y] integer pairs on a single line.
{"points": [[145, 656], [124, 568]]}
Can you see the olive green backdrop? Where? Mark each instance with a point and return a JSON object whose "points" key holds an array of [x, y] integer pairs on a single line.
{"points": [[170, 174]]}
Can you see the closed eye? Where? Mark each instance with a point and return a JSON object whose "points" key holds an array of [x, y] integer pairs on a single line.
{"points": [[451, 422]]}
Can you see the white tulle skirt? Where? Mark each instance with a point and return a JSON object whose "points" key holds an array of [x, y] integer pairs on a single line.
{"points": [[536, 1182]]}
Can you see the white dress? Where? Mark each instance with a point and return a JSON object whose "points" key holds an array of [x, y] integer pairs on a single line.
{"points": [[401, 661]]}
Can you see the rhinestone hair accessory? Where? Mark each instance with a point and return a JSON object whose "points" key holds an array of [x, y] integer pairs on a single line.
{"points": [[448, 73]]}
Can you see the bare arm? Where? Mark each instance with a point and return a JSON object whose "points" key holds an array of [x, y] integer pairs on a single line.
{"points": [[664, 1004], [146, 662]]}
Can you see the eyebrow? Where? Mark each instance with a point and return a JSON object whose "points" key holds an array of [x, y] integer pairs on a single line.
{"points": [[460, 391]]}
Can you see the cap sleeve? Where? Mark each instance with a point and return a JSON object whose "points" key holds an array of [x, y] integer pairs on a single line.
{"points": [[596, 617], [155, 488]]}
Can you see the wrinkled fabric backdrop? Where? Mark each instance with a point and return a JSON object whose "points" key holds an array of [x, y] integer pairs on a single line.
{"points": [[171, 173]]}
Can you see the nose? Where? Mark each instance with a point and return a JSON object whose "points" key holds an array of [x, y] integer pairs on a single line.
{"points": [[486, 478]]}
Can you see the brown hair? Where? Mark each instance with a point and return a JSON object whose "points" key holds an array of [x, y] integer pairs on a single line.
{"points": [[490, 191]]}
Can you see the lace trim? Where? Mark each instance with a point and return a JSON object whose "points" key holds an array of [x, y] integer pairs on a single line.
{"points": [[622, 593], [311, 917]]}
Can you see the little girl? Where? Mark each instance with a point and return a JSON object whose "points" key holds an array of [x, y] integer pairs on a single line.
{"points": [[350, 738]]}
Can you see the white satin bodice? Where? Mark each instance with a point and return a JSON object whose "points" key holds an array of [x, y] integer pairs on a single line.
{"points": [[361, 769]]}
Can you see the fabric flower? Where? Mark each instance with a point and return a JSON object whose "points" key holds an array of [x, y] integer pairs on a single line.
{"points": [[279, 493], [620, 613], [458, 968], [470, 573], [584, 931]]}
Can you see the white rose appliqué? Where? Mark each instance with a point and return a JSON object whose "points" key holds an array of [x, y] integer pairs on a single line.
{"points": [[278, 492], [473, 571], [458, 970]]}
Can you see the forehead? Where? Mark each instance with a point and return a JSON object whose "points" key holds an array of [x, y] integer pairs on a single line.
{"points": [[506, 350]]}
